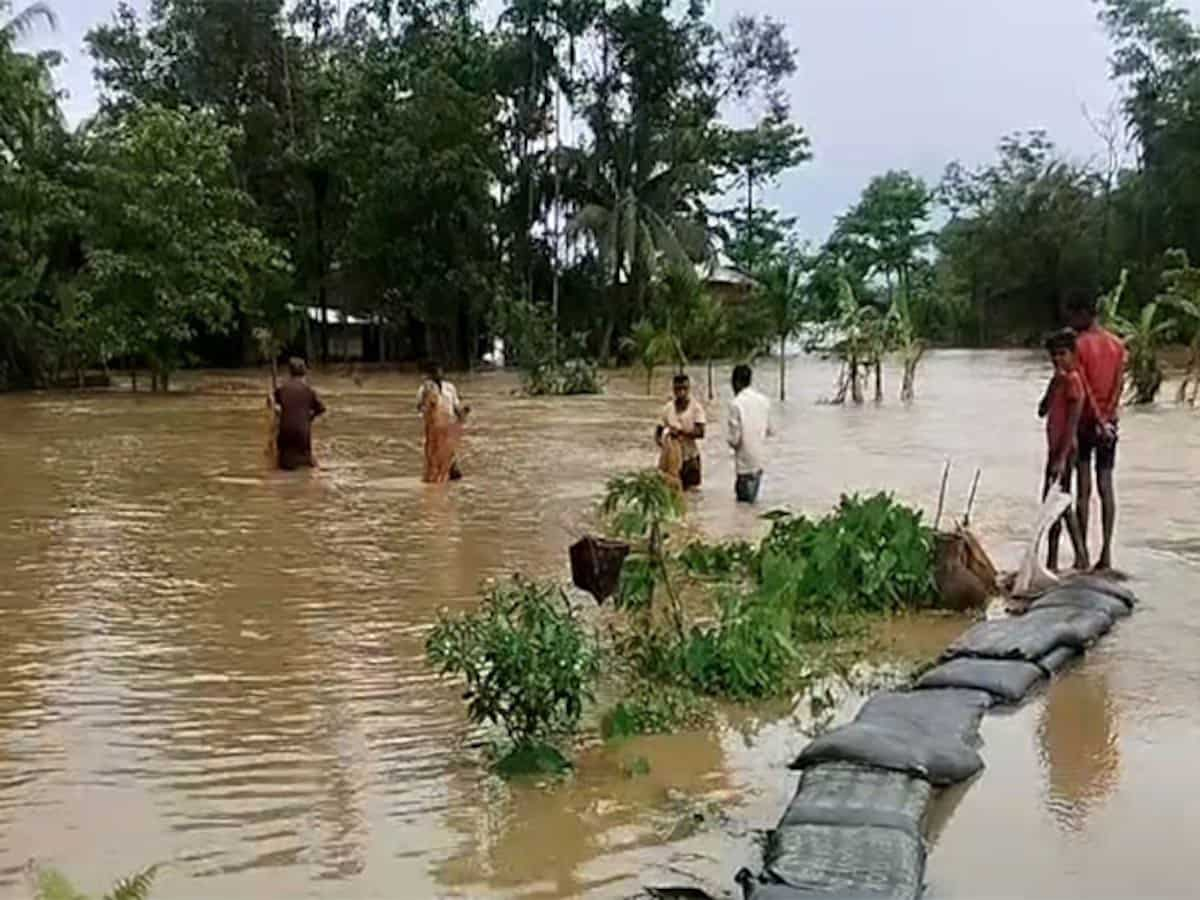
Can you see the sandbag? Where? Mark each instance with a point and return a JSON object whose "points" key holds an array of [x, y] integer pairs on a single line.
{"points": [[925, 733], [1031, 636], [832, 861], [954, 712], [1102, 585], [1057, 660], [1076, 597], [1009, 681], [846, 794]]}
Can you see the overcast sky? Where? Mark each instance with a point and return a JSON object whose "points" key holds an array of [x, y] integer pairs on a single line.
{"points": [[882, 84]]}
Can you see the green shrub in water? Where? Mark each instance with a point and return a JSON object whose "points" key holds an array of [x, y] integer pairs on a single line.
{"points": [[870, 555], [571, 378], [50, 884], [654, 709], [529, 663]]}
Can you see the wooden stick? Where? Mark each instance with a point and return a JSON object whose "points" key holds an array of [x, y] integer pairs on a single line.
{"points": [[971, 499], [937, 521]]}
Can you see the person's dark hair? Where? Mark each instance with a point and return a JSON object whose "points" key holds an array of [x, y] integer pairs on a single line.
{"points": [[743, 376], [1080, 302], [681, 379], [1063, 339], [297, 367]]}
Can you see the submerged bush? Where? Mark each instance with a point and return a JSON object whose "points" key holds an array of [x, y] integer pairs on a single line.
{"points": [[870, 555], [571, 378], [529, 663], [654, 709], [51, 884]]}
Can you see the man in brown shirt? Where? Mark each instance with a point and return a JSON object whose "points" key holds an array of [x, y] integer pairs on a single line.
{"points": [[298, 406]]}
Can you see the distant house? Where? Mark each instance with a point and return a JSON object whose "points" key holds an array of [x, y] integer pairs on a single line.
{"points": [[351, 338], [725, 282]]}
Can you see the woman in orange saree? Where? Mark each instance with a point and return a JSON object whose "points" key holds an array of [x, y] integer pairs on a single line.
{"points": [[442, 435]]}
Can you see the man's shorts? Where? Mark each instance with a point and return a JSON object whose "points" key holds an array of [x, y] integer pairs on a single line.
{"points": [[689, 474], [1091, 444], [747, 487]]}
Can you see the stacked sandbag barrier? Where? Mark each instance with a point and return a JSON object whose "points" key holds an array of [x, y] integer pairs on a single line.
{"points": [[855, 828]]}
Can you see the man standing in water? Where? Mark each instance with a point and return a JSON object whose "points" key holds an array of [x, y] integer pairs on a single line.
{"points": [[298, 406], [748, 428], [436, 385], [683, 419], [1101, 360]]}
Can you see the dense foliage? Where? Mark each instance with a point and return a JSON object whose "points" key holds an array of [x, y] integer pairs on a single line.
{"points": [[402, 160], [429, 171], [529, 663], [50, 884]]}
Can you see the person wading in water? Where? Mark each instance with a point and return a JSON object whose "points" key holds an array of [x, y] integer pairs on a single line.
{"points": [[443, 414], [683, 420], [298, 405]]}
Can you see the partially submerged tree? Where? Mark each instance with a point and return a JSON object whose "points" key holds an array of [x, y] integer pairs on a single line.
{"points": [[781, 292]]}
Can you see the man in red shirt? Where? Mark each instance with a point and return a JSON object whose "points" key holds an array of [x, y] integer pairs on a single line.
{"points": [[1062, 407], [1101, 356]]}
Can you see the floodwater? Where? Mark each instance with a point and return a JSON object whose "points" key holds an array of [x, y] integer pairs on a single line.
{"points": [[220, 668]]}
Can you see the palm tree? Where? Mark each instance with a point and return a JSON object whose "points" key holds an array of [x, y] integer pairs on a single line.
{"points": [[633, 211], [781, 291], [21, 25], [650, 348]]}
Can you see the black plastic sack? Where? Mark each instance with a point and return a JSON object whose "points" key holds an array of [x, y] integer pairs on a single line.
{"points": [[1076, 597], [852, 795], [1057, 660], [832, 861], [1031, 636], [1102, 585], [1009, 681], [925, 733], [596, 565]]}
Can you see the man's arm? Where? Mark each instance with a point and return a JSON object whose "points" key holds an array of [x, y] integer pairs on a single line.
{"points": [[1115, 391], [1044, 406], [317, 408], [734, 426]]}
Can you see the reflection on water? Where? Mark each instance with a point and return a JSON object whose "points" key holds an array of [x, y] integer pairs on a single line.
{"points": [[214, 665], [1078, 734]]}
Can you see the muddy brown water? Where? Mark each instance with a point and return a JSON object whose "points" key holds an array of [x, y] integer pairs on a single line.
{"points": [[221, 668]]}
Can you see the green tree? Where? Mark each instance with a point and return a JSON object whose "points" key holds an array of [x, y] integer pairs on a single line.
{"points": [[781, 294], [167, 251], [1021, 232], [886, 231]]}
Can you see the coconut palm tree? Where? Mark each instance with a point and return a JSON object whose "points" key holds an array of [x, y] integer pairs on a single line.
{"points": [[781, 292], [22, 24], [635, 213]]}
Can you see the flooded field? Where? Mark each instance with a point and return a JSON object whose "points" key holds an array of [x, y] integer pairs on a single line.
{"points": [[222, 668]]}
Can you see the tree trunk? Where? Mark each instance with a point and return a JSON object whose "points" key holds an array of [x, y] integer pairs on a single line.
{"points": [[855, 382], [878, 380], [133, 378], [711, 391], [782, 367]]}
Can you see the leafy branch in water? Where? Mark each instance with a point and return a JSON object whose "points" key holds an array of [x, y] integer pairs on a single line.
{"points": [[51, 884], [640, 505], [529, 663]]}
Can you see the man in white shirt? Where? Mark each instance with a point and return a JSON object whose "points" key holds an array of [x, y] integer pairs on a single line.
{"points": [[748, 428], [684, 420]]}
